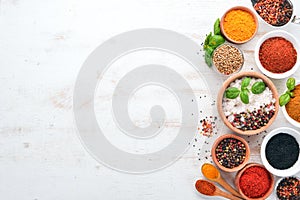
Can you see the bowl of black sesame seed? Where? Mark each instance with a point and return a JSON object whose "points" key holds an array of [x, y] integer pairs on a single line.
{"points": [[230, 152]]}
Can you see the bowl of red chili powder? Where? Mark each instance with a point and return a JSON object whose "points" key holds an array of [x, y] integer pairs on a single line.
{"points": [[276, 54], [254, 182]]}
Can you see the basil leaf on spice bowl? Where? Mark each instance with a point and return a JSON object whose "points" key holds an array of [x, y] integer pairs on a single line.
{"points": [[290, 102], [239, 25], [288, 188], [254, 182], [251, 113], [280, 151], [276, 54], [230, 152]]}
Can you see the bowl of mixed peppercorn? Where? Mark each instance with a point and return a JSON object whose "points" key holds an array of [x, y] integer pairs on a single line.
{"points": [[248, 103], [276, 54], [288, 188], [230, 152]]}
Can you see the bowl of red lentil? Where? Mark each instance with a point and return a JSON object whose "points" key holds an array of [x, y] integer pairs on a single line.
{"points": [[230, 152], [254, 182], [291, 110], [239, 24], [259, 112], [276, 54]]}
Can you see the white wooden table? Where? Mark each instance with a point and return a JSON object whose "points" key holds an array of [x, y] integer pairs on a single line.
{"points": [[42, 46]]}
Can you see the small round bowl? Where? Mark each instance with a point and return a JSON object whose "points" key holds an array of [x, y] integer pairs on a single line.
{"points": [[226, 84], [277, 183], [285, 172], [240, 173], [287, 36], [243, 9], [224, 73], [216, 143], [286, 115]]}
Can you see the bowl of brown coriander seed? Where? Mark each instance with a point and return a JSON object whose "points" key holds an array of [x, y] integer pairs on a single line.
{"points": [[227, 59]]}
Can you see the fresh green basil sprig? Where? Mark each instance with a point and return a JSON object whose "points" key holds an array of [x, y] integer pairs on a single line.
{"points": [[286, 97], [212, 41], [233, 92]]}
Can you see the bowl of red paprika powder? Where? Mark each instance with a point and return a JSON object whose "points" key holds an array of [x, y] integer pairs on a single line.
{"points": [[276, 54], [254, 182]]}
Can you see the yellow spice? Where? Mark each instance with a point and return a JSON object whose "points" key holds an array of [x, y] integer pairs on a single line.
{"points": [[239, 25]]}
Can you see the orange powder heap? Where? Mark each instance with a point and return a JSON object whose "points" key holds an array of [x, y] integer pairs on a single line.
{"points": [[239, 25], [293, 106]]}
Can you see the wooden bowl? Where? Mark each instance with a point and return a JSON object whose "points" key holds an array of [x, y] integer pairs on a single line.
{"points": [[223, 19], [239, 174], [216, 143], [240, 75]]}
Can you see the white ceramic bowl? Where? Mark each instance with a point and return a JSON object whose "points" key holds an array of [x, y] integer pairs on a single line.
{"points": [[286, 115], [285, 172], [287, 36]]}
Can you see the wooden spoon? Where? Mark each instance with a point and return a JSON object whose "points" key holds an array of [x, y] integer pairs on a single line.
{"points": [[220, 180], [213, 191]]}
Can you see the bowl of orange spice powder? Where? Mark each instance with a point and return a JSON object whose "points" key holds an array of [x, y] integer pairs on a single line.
{"points": [[239, 24], [291, 110]]}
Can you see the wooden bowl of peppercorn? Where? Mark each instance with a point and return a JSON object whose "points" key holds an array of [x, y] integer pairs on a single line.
{"points": [[254, 182], [230, 152], [250, 113]]}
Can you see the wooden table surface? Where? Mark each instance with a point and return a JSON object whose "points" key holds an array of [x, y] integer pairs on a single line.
{"points": [[43, 46]]}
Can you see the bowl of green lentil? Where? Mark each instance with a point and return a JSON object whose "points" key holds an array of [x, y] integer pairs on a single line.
{"points": [[227, 59], [230, 152]]}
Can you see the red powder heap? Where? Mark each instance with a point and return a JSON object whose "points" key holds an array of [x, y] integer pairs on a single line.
{"points": [[255, 182], [277, 55]]}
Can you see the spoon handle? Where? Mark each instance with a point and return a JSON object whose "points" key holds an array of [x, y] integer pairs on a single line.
{"points": [[228, 196], [228, 187]]}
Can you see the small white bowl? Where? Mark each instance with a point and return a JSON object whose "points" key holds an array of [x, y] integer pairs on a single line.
{"points": [[285, 172], [286, 115], [277, 183], [287, 36]]}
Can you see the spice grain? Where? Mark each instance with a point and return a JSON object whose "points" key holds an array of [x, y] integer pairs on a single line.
{"points": [[293, 106], [288, 189]]}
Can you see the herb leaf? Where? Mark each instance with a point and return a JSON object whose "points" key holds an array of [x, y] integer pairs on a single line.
{"points": [[232, 92], [215, 41], [244, 96], [258, 87], [207, 41], [290, 83], [284, 99], [246, 82], [217, 30], [208, 58]]}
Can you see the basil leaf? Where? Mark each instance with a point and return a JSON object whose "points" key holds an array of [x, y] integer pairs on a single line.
{"points": [[290, 83], [284, 99], [246, 82], [207, 40], [217, 30], [208, 58], [244, 96], [258, 87], [215, 41], [232, 92], [291, 94]]}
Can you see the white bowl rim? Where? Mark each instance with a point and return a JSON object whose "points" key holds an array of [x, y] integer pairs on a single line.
{"points": [[286, 115], [277, 33], [285, 172]]}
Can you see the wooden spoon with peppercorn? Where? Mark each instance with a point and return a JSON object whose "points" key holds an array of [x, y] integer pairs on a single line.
{"points": [[210, 189], [212, 173]]}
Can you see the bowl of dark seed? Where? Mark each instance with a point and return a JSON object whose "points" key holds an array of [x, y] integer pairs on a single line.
{"points": [[288, 188], [230, 152], [227, 59], [248, 103], [280, 152]]}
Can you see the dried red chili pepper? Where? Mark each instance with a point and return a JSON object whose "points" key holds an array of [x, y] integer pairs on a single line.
{"points": [[277, 55]]}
